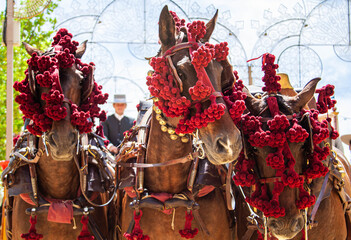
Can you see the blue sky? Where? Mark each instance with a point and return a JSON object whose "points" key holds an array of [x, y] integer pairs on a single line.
{"points": [[240, 14]]}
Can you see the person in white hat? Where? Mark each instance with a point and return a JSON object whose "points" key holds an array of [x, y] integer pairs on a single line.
{"points": [[117, 123]]}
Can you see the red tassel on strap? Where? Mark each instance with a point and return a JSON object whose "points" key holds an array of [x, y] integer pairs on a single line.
{"points": [[137, 233], [187, 232], [32, 235], [85, 234]]}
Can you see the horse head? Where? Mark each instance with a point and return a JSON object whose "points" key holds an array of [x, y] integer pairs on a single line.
{"points": [[56, 93], [196, 85], [282, 164]]}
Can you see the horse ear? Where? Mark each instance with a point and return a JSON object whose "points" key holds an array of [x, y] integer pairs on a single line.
{"points": [[299, 101], [30, 49], [88, 85], [81, 49], [210, 27], [252, 103], [167, 29]]}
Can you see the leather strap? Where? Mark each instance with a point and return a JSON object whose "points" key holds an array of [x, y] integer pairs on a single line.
{"points": [[82, 179], [249, 232], [197, 215], [187, 158], [228, 187], [179, 47], [95, 229], [175, 73], [319, 199]]}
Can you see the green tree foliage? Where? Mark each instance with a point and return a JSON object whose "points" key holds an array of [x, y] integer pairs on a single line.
{"points": [[37, 32]]}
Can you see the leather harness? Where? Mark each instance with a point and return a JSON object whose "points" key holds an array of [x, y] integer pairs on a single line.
{"points": [[29, 155], [142, 198]]}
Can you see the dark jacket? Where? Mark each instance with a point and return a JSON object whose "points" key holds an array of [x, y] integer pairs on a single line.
{"points": [[114, 129]]}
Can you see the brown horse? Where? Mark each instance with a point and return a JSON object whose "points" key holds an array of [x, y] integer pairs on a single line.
{"points": [[212, 217], [55, 162], [331, 220]]}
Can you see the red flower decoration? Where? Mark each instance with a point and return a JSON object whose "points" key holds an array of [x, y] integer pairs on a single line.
{"points": [[46, 69]]}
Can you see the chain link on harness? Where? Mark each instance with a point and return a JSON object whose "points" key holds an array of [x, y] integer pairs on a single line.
{"points": [[199, 145]]}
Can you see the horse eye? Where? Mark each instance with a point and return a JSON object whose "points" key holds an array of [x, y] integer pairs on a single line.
{"points": [[181, 75]]}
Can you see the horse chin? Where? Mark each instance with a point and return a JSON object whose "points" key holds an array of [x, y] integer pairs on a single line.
{"points": [[284, 236]]}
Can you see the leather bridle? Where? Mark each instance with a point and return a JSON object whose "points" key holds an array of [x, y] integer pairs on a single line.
{"points": [[178, 82]]}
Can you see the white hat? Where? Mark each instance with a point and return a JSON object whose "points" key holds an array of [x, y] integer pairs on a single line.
{"points": [[119, 98]]}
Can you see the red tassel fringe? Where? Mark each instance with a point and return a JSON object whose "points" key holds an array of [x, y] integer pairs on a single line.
{"points": [[32, 235], [85, 234], [137, 233], [187, 232]]}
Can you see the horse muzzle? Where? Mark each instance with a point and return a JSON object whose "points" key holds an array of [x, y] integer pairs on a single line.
{"points": [[62, 147], [223, 149], [286, 228]]}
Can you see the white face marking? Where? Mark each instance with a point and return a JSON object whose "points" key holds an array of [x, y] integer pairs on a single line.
{"points": [[230, 150], [183, 61]]}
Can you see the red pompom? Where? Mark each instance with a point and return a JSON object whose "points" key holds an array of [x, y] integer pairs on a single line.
{"points": [[221, 51], [199, 91], [270, 79], [305, 199], [197, 30], [324, 98], [276, 160], [179, 22], [202, 56]]}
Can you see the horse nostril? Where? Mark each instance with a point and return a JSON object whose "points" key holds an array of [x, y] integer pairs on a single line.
{"points": [[297, 224], [276, 224], [73, 137], [273, 224], [52, 138], [222, 145]]}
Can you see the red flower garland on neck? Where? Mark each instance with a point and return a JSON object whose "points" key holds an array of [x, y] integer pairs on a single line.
{"points": [[170, 101], [47, 75], [279, 133]]}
